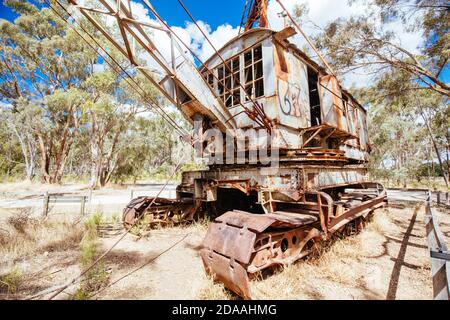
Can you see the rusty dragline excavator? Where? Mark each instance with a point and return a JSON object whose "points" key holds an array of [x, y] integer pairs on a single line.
{"points": [[264, 215]]}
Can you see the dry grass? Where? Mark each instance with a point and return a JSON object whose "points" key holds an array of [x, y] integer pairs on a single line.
{"points": [[34, 253], [213, 291], [24, 236], [10, 282], [97, 277], [331, 264], [354, 267], [332, 267]]}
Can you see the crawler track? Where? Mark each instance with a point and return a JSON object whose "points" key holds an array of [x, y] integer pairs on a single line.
{"points": [[148, 212], [239, 244]]}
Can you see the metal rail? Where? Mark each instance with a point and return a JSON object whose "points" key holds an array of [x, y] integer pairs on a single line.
{"points": [[440, 256], [51, 198]]}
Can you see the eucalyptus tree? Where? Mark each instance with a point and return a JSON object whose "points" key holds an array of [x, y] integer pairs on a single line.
{"points": [[59, 90], [407, 95], [364, 43], [422, 117], [43, 64]]}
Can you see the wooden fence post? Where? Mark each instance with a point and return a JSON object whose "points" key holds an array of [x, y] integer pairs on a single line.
{"points": [[438, 195], [46, 201], [440, 263], [83, 202], [131, 194]]}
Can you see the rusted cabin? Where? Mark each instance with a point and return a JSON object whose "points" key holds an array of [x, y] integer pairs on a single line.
{"points": [[306, 103]]}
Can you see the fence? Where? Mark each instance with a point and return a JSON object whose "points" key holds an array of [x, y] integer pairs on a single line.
{"points": [[134, 193], [442, 198], [91, 197], [63, 199], [440, 256]]}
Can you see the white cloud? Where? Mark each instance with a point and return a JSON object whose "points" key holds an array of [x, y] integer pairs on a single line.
{"points": [[324, 11], [320, 13], [218, 38], [99, 67], [5, 105]]}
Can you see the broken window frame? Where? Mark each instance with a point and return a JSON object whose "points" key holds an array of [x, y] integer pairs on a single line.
{"points": [[254, 85], [225, 86]]}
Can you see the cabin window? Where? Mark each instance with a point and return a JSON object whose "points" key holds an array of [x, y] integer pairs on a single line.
{"points": [[346, 110], [232, 74], [314, 98], [253, 73]]}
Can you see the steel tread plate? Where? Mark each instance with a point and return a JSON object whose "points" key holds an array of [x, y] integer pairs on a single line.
{"points": [[240, 219], [237, 243], [233, 277], [294, 218]]}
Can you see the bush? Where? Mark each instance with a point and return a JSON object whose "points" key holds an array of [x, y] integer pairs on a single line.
{"points": [[97, 277], [21, 220], [10, 282]]}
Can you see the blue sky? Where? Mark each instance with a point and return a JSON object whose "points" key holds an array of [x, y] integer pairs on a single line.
{"points": [[6, 12], [217, 13]]}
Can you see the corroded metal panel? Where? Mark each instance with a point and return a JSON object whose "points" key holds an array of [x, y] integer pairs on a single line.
{"points": [[363, 132], [351, 117], [317, 179], [286, 178], [292, 90], [230, 241], [293, 95], [237, 45], [188, 75], [233, 276], [355, 153], [332, 103], [239, 219]]}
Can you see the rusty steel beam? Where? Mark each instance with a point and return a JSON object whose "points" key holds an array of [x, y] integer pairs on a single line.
{"points": [[128, 26]]}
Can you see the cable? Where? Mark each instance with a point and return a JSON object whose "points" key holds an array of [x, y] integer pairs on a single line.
{"points": [[307, 38], [115, 243], [140, 267], [61, 288], [228, 90], [143, 93], [243, 16], [257, 108]]}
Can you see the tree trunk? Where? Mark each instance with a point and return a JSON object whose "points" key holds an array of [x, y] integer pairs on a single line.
{"points": [[95, 166], [28, 152], [45, 151], [103, 177]]}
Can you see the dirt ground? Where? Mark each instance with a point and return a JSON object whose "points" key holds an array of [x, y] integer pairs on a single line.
{"points": [[388, 260]]}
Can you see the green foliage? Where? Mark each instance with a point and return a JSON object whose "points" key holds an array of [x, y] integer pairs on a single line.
{"points": [[10, 282], [115, 219], [432, 18], [92, 223], [364, 42], [10, 154], [97, 277], [402, 142], [65, 113]]}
